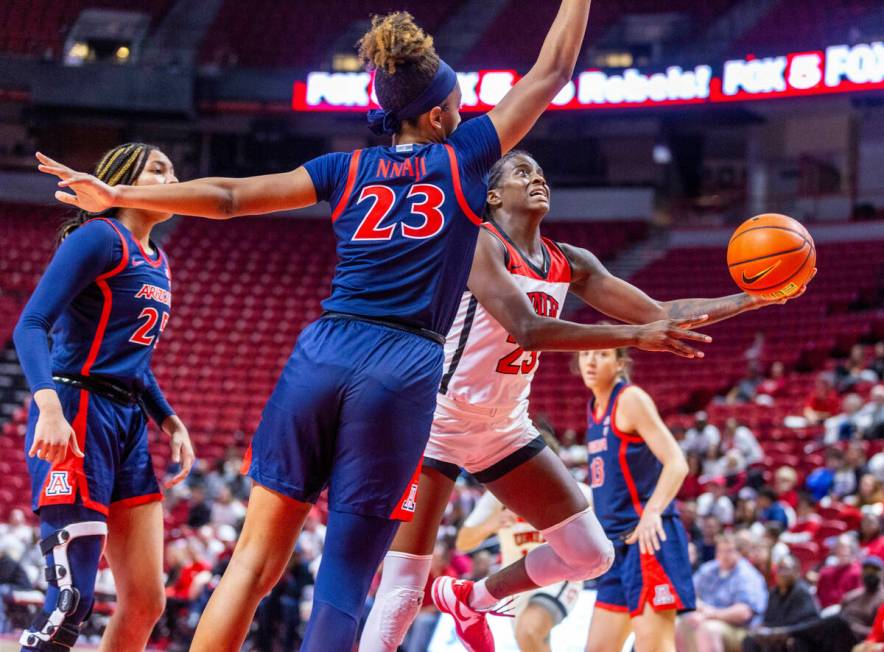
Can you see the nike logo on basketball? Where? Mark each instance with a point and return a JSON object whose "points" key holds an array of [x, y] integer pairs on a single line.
{"points": [[749, 280]]}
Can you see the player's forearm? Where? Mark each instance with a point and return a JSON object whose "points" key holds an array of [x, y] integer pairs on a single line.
{"points": [[560, 50], [471, 537], [718, 309], [546, 334], [212, 197], [671, 478]]}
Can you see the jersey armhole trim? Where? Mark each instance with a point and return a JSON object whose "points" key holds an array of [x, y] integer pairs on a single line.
{"points": [[348, 188], [506, 250], [565, 256], [458, 191], [632, 439], [107, 303]]}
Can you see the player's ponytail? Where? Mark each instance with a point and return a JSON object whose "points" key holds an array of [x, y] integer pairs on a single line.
{"points": [[120, 166], [402, 56]]}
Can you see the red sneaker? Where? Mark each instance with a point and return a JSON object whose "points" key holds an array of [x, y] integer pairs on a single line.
{"points": [[452, 596]]}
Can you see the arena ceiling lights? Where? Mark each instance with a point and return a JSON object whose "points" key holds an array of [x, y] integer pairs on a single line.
{"points": [[837, 69]]}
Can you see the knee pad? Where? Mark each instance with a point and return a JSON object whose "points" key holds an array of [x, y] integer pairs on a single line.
{"points": [[57, 630], [576, 549], [398, 609]]}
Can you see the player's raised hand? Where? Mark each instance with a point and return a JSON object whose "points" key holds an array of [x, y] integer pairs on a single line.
{"points": [[90, 194], [670, 334], [182, 449]]}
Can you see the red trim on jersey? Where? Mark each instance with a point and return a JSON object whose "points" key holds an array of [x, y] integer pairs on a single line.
{"points": [[627, 477], [135, 501], [246, 461], [348, 188], [144, 254], [654, 576], [400, 513], [632, 439], [559, 266], [458, 191], [101, 281], [607, 606]]}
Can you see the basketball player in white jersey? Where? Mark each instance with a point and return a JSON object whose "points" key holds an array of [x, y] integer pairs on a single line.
{"points": [[516, 291], [536, 612]]}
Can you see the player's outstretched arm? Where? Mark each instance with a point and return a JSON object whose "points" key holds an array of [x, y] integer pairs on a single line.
{"points": [[217, 198], [494, 287], [517, 112], [637, 413], [621, 300]]}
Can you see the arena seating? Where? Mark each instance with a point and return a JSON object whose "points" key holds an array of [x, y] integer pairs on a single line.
{"points": [[268, 33], [37, 28], [516, 36], [793, 25]]}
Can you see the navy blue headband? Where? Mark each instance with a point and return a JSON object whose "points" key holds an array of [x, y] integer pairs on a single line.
{"points": [[388, 122]]}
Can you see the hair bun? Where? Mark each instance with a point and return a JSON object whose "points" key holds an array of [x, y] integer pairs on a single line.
{"points": [[393, 41]]}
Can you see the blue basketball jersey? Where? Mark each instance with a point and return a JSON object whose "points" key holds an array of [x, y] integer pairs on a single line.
{"points": [[106, 301], [406, 219], [623, 470]]}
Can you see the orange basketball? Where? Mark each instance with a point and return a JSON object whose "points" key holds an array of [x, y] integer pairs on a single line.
{"points": [[771, 255]]}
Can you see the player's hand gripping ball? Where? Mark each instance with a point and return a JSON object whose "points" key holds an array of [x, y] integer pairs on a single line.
{"points": [[771, 256]]}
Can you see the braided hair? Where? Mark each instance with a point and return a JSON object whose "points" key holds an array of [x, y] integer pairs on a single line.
{"points": [[402, 56], [122, 165]]}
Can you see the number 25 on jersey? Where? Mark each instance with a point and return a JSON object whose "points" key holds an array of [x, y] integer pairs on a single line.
{"points": [[428, 201]]}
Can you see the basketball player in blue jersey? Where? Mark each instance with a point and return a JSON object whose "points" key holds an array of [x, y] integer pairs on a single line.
{"points": [[635, 470], [516, 289], [353, 407], [105, 298]]}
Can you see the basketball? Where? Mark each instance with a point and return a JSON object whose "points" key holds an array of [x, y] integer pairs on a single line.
{"points": [[771, 256]]}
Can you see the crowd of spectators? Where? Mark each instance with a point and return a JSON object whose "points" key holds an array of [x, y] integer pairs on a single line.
{"points": [[784, 558]]}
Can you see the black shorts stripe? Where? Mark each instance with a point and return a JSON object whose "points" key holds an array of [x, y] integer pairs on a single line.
{"points": [[449, 470], [511, 461], [461, 344]]}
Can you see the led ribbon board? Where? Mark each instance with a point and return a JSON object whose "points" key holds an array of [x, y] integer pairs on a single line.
{"points": [[837, 69]]}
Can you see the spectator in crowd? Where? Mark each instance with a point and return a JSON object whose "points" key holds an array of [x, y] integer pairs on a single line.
{"points": [[714, 502], [279, 614], [852, 624], [844, 426], [739, 437], [688, 512], [729, 465], [710, 528], [746, 388], [823, 402], [227, 510], [869, 492], [877, 363], [770, 508], [853, 370], [842, 575], [870, 539], [789, 603], [691, 488], [731, 597], [870, 418], [875, 640], [746, 509], [785, 481], [200, 512], [701, 437], [12, 577], [771, 387], [820, 480], [755, 352]]}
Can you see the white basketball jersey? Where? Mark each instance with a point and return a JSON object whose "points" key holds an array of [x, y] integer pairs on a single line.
{"points": [[483, 363]]}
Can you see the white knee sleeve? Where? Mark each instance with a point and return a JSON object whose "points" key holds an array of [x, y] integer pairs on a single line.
{"points": [[398, 601], [576, 549]]}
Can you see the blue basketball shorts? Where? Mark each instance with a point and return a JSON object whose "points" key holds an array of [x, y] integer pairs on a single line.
{"points": [[116, 469], [662, 580], [352, 411]]}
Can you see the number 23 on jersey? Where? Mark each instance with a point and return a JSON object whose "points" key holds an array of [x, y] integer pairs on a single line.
{"points": [[428, 199]]}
